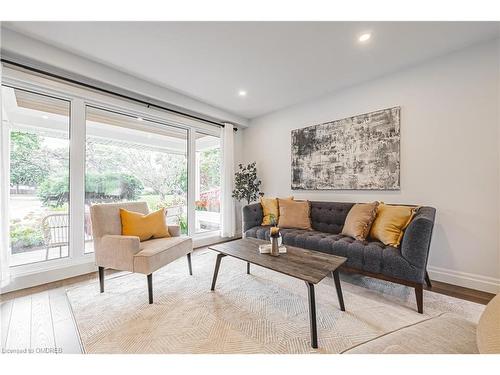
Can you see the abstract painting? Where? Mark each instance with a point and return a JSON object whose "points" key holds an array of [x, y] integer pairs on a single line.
{"points": [[355, 153]]}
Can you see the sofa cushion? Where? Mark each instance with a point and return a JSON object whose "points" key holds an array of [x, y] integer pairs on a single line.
{"points": [[156, 253], [369, 256], [329, 217]]}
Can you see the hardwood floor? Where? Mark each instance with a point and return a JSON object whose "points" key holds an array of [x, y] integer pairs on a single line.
{"points": [[40, 318], [40, 322], [461, 292]]}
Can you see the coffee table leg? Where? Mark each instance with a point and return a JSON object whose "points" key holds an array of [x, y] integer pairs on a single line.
{"points": [[248, 268], [216, 271], [312, 315], [336, 278]]}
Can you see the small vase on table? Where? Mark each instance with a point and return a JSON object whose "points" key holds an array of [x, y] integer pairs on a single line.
{"points": [[275, 234]]}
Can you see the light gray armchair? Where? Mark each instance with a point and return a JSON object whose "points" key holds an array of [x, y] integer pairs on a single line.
{"points": [[127, 253]]}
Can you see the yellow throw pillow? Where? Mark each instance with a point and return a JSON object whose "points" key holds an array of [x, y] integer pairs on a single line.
{"points": [[148, 226], [294, 214], [390, 223], [270, 208]]}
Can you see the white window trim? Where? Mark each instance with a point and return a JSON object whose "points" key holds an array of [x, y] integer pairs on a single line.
{"points": [[79, 98]]}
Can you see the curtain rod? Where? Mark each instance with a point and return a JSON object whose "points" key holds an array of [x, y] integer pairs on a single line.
{"points": [[76, 82]]}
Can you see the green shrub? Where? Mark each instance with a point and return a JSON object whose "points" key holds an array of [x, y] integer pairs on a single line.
{"points": [[183, 224], [118, 186], [54, 191], [153, 200], [25, 237]]}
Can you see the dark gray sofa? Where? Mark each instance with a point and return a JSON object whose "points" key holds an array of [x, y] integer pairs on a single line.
{"points": [[404, 265]]}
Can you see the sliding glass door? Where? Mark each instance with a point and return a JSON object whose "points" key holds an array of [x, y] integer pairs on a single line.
{"points": [[63, 144], [129, 158], [208, 183], [39, 131]]}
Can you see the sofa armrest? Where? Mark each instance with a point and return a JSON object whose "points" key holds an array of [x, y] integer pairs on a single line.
{"points": [[252, 216], [117, 252], [417, 238], [174, 230]]}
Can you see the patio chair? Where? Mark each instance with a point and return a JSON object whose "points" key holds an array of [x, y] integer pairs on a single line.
{"points": [[128, 253], [55, 232]]}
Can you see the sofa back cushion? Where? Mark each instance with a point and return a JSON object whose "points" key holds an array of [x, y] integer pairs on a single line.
{"points": [[329, 217]]}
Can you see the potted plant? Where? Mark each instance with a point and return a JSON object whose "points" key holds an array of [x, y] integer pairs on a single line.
{"points": [[247, 184]]}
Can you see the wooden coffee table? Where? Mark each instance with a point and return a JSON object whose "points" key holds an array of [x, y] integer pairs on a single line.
{"points": [[307, 265]]}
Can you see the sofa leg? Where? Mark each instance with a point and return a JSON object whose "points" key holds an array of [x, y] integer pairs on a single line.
{"points": [[419, 294], [101, 278], [150, 288], [428, 280], [189, 264]]}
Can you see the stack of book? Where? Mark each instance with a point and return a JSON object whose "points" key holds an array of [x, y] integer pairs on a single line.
{"points": [[266, 249]]}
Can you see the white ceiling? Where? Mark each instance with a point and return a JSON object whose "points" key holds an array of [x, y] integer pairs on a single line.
{"points": [[278, 63]]}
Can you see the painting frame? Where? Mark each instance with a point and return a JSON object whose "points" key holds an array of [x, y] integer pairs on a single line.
{"points": [[322, 155]]}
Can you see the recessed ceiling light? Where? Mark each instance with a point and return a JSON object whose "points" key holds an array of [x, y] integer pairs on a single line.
{"points": [[139, 118], [45, 117], [364, 37], [242, 93]]}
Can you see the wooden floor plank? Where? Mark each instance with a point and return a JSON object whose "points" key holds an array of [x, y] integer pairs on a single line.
{"points": [[19, 335], [467, 294], [60, 307], [5, 314], [67, 338], [66, 334], [42, 331]]}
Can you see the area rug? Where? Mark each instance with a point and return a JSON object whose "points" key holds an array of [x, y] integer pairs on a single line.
{"points": [[264, 312]]}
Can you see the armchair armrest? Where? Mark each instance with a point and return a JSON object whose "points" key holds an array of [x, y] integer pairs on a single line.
{"points": [[117, 252], [174, 230]]}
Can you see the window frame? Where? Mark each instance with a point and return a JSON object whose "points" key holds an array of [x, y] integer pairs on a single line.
{"points": [[209, 233], [79, 98]]}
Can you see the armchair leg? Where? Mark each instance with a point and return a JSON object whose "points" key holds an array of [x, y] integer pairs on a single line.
{"points": [[150, 288], [189, 264], [101, 278], [419, 294]]}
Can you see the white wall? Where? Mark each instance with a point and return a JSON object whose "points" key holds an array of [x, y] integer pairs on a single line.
{"points": [[449, 154]]}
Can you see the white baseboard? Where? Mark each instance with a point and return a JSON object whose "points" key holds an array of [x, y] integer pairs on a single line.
{"points": [[467, 280]]}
